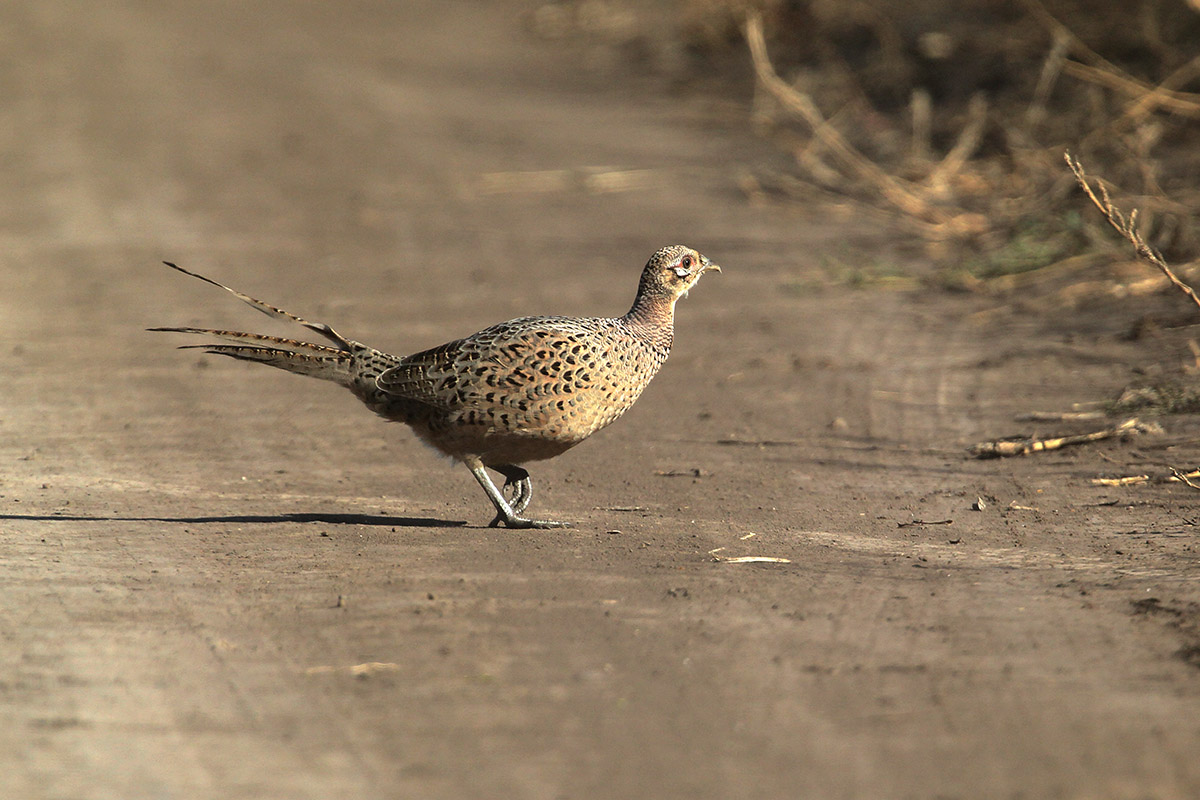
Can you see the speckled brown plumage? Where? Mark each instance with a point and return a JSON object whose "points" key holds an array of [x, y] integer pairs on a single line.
{"points": [[520, 391]]}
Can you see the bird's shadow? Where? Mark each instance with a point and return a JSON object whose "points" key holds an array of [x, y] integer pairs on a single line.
{"points": [[330, 518]]}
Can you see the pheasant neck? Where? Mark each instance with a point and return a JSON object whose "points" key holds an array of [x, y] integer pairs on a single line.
{"points": [[653, 319]]}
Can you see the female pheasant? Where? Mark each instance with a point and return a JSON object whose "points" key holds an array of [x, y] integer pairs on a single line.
{"points": [[520, 391]]}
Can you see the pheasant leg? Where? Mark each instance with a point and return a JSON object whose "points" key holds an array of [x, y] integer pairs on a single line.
{"points": [[517, 477], [522, 491], [504, 511], [525, 494]]}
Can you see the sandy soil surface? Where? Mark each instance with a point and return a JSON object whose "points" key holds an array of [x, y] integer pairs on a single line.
{"points": [[220, 580]]}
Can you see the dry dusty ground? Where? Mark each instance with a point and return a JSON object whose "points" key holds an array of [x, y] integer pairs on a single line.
{"points": [[195, 554]]}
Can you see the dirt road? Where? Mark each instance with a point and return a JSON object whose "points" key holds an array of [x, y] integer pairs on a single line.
{"points": [[223, 581]]}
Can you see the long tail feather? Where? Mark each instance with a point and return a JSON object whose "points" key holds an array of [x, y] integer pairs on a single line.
{"points": [[270, 310], [241, 338], [335, 367], [293, 355]]}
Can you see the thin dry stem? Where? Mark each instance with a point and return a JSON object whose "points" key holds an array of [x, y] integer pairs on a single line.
{"points": [[1184, 477], [1127, 227], [1156, 97], [921, 107], [1102, 72], [966, 144], [1051, 69], [1176, 476], [1077, 45], [1181, 103], [1003, 448]]}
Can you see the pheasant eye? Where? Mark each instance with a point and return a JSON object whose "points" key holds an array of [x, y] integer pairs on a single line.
{"points": [[687, 261]]}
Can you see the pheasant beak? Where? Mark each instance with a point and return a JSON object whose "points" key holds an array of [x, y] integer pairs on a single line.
{"points": [[708, 266]]}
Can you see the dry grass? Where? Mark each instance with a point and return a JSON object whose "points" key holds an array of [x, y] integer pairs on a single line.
{"points": [[970, 163]]}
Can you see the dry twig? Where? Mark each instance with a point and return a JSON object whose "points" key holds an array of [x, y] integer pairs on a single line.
{"points": [[965, 146], [357, 670], [1051, 69], [1059, 30], [1127, 227], [1185, 477], [1059, 416], [1102, 72], [1182, 103], [1003, 448], [1128, 480], [746, 559], [1176, 476], [1161, 94]]}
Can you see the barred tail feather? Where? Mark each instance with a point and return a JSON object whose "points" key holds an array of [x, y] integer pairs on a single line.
{"points": [[336, 366], [304, 358], [241, 338], [270, 310]]}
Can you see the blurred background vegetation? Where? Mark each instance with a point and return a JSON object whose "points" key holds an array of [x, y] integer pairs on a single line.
{"points": [[949, 120]]}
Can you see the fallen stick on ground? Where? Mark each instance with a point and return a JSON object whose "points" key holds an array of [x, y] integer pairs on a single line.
{"points": [[1128, 480], [357, 670], [1058, 416], [752, 560], [1185, 477], [746, 559], [1176, 476], [1003, 448]]}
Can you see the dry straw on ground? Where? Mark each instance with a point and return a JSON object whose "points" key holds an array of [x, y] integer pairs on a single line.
{"points": [[1023, 446]]}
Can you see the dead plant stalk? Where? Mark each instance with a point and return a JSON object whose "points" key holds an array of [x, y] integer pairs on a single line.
{"points": [[1126, 226], [1004, 448]]}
